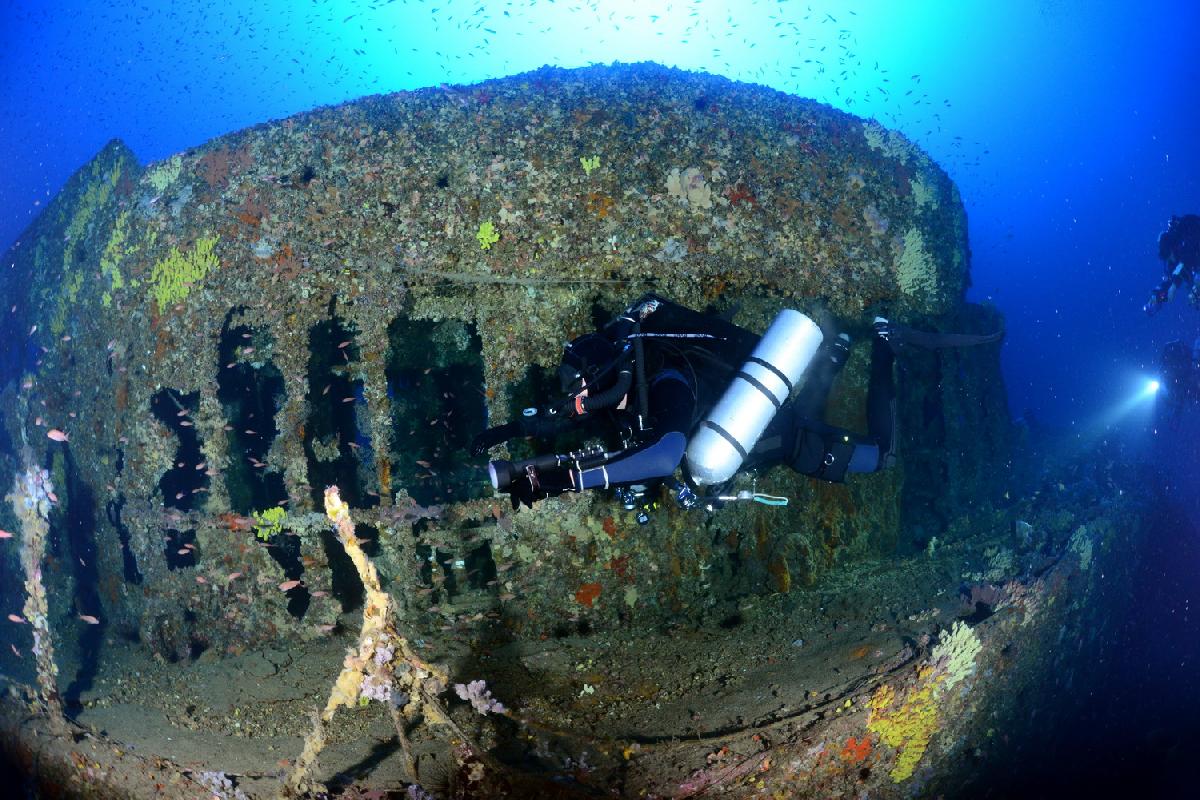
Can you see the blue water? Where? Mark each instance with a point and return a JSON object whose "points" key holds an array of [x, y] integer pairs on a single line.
{"points": [[1072, 130]]}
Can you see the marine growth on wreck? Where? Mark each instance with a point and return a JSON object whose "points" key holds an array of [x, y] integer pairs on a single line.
{"points": [[343, 298]]}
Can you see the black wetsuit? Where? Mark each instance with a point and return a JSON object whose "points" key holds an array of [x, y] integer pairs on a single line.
{"points": [[1179, 250]]}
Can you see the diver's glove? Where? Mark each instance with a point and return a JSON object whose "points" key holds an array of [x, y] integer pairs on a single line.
{"points": [[537, 485], [493, 436]]}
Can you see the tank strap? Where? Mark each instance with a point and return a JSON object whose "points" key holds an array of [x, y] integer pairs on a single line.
{"points": [[757, 384], [768, 365], [724, 434]]}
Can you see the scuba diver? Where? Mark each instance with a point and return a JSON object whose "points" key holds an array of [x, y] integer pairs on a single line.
{"points": [[1180, 384], [678, 386], [1179, 250]]}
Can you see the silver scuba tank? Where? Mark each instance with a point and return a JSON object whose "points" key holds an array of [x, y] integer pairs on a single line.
{"points": [[736, 422]]}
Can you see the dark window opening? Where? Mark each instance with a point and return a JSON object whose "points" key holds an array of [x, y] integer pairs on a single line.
{"points": [[182, 485], [250, 391], [481, 567], [332, 440], [435, 382]]}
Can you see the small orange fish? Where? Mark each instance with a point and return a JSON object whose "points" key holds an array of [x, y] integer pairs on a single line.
{"points": [[15, 618], [5, 535], [288, 585], [89, 619], [201, 579], [57, 435], [182, 551], [233, 576], [320, 593]]}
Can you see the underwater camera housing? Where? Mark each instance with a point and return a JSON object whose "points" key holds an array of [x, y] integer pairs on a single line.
{"points": [[502, 473]]}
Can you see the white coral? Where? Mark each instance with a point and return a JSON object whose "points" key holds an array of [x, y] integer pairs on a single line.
{"points": [[955, 653], [690, 188], [479, 696]]}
